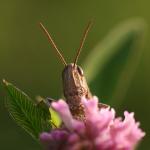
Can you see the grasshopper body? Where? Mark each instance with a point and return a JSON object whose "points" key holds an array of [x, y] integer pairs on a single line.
{"points": [[74, 83], [74, 88]]}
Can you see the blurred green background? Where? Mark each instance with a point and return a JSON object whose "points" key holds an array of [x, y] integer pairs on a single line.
{"points": [[27, 60]]}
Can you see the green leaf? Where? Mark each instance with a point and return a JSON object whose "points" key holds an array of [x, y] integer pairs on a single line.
{"points": [[55, 119], [26, 114], [110, 66]]}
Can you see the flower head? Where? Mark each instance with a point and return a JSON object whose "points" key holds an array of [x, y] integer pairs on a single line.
{"points": [[100, 131]]}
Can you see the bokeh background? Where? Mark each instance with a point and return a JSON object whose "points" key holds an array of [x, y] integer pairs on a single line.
{"points": [[27, 60]]}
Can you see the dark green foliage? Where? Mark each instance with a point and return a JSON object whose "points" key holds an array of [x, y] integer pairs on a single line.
{"points": [[110, 67]]}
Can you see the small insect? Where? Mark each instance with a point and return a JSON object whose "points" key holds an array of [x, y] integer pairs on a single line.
{"points": [[74, 83]]}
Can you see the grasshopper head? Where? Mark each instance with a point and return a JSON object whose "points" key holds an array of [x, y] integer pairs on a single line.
{"points": [[74, 82]]}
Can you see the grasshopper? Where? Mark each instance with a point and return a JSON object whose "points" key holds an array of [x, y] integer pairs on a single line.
{"points": [[75, 86]]}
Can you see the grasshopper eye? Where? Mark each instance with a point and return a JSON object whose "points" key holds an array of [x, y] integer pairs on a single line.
{"points": [[80, 70]]}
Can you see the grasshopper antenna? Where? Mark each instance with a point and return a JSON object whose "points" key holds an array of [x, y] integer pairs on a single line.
{"points": [[82, 41], [53, 44]]}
